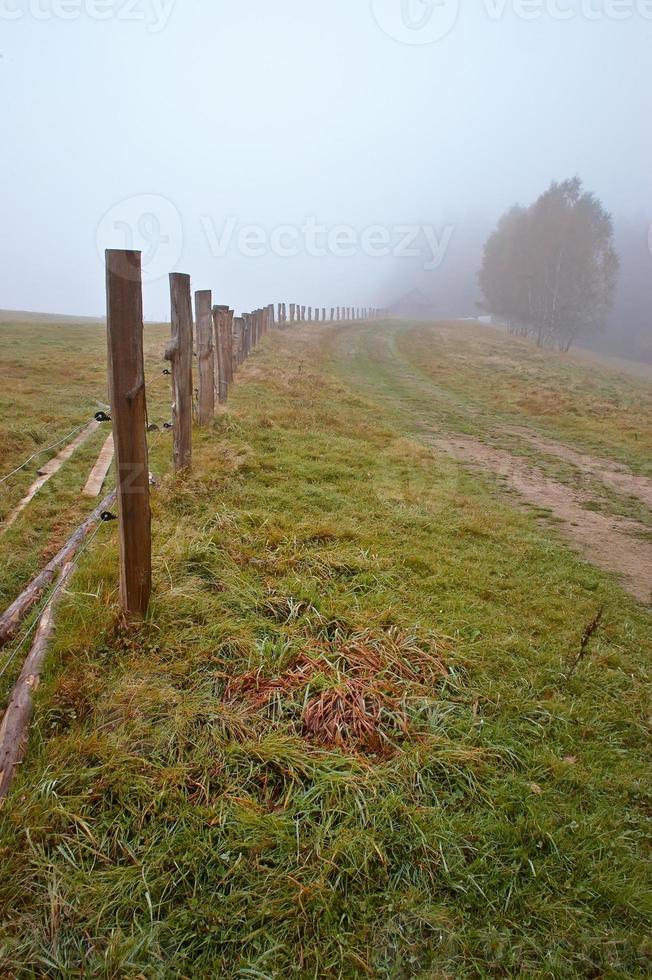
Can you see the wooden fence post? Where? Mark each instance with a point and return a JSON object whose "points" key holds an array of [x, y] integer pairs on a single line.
{"points": [[179, 353], [124, 317], [235, 343], [205, 356], [220, 320], [238, 333], [228, 343], [248, 330]]}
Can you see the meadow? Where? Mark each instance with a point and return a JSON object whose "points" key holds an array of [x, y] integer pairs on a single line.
{"points": [[359, 733]]}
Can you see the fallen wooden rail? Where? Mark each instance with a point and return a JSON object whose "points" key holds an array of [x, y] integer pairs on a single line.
{"points": [[14, 729], [99, 472]]}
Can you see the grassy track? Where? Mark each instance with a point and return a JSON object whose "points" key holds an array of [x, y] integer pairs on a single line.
{"points": [[186, 809]]}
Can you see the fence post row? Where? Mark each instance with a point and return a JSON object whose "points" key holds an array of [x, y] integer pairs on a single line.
{"points": [[224, 341], [124, 317]]}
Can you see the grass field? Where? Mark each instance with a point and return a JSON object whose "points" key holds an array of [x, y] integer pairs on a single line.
{"points": [[353, 738]]}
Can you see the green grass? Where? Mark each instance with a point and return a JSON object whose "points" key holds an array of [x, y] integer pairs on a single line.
{"points": [[512, 380], [178, 815]]}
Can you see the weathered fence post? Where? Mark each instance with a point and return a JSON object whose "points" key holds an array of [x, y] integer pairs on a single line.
{"points": [[205, 356], [179, 353], [124, 317], [220, 319], [238, 335], [228, 344], [248, 332], [292, 309]]}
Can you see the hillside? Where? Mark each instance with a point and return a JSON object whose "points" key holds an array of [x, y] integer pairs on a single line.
{"points": [[355, 736], [25, 316]]}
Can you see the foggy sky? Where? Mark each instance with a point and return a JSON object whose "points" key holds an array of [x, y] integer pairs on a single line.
{"points": [[173, 120]]}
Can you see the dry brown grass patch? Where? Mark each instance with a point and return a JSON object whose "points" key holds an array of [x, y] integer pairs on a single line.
{"points": [[355, 715], [361, 684]]}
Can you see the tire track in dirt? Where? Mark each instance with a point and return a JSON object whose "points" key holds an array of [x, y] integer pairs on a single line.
{"points": [[615, 476], [608, 541]]}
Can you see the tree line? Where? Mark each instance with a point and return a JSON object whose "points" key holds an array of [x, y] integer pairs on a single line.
{"points": [[550, 270]]}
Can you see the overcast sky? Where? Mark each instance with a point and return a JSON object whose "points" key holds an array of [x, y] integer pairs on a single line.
{"points": [[295, 149]]}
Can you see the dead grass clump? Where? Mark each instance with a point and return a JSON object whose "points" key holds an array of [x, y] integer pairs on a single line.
{"points": [[355, 715], [351, 690], [258, 690]]}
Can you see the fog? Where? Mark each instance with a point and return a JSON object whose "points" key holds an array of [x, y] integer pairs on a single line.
{"points": [[331, 152]]}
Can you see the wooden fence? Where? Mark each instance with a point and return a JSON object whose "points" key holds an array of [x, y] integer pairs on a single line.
{"points": [[221, 342]]}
